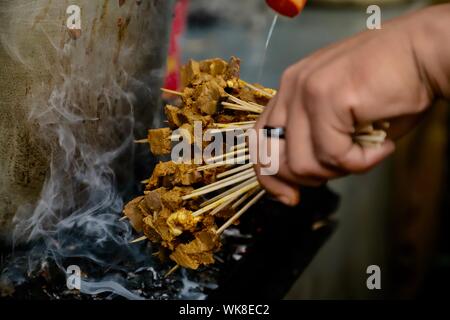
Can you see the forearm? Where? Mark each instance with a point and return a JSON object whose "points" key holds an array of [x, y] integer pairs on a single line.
{"points": [[430, 34]]}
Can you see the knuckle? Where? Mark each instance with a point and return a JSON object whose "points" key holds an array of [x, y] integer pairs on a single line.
{"points": [[299, 168], [314, 86], [288, 75], [347, 100]]}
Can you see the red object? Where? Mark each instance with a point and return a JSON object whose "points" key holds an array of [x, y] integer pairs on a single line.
{"points": [[289, 8], [172, 80]]}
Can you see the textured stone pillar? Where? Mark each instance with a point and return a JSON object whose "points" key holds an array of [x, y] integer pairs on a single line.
{"points": [[61, 89]]}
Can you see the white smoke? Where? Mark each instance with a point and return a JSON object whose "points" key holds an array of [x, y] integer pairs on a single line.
{"points": [[82, 105]]}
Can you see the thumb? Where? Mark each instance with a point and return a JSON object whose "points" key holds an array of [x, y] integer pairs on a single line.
{"points": [[362, 158]]}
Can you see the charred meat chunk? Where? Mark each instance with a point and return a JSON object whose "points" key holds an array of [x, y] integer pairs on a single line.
{"points": [[173, 115], [189, 72], [170, 174], [208, 95], [172, 198], [160, 142], [134, 213], [234, 69], [197, 252], [181, 221]]}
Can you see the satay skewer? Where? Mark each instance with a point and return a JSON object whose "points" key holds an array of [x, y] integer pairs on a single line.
{"points": [[375, 136], [226, 155], [221, 125], [240, 212], [234, 170], [223, 205], [238, 188], [225, 163], [139, 239], [196, 194], [177, 93], [245, 197], [224, 199], [240, 199], [241, 130], [222, 181], [261, 91], [239, 107], [234, 127], [245, 103], [243, 106], [239, 146], [172, 270], [227, 192]]}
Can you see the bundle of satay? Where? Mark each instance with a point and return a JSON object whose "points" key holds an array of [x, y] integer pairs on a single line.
{"points": [[187, 205]]}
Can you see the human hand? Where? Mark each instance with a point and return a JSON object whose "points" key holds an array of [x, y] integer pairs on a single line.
{"points": [[374, 76]]}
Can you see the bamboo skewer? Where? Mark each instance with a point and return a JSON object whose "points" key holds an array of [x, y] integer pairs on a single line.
{"points": [[224, 199], [224, 130], [368, 128], [229, 191], [172, 270], [218, 182], [245, 103], [223, 206], [241, 104], [241, 212], [239, 146], [224, 163], [141, 141], [375, 133], [368, 136], [235, 170], [123, 218], [139, 239], [245, 197], [228, 128], [235, 127], [255, 105], [226, 155], [237, 123], [219, 186], [240, 199], [231, 124], [239, 107], [369, 139], [178, 93], [263, 92]]}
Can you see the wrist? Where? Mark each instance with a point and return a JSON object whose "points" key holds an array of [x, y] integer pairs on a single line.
{"points": [[430, 38]]}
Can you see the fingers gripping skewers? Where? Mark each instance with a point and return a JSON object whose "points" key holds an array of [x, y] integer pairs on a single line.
{"points": [[186, 207]]}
